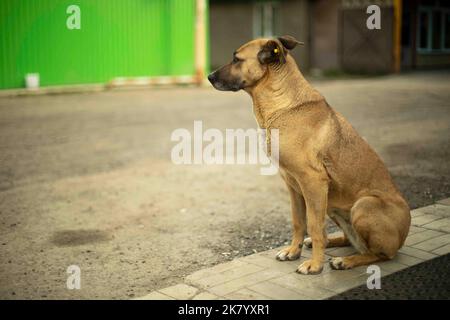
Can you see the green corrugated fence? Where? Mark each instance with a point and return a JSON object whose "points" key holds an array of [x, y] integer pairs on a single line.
{"points": [[117, 38]]}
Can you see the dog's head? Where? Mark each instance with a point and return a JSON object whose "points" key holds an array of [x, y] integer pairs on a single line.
{"points": [[251, 62]]}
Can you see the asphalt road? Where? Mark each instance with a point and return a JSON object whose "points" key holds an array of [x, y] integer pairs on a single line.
{"points": [[87, 180]]}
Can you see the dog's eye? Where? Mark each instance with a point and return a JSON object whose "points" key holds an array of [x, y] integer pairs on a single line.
{"points": [[236, 59]]}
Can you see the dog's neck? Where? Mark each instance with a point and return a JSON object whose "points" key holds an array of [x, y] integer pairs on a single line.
{"points": [[282, 88]]}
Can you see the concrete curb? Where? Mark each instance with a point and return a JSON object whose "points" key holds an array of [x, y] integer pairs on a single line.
{"points": [[260, 277]]}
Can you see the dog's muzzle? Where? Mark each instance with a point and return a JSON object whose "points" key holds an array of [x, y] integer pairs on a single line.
{"points": [[212, 78], [221, 85]]}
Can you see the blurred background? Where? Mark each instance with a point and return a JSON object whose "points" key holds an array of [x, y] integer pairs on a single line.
{"points": [[125, 42], [91, 91]]}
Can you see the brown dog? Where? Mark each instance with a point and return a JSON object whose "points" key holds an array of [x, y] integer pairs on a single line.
{"points": [[328, 168]]}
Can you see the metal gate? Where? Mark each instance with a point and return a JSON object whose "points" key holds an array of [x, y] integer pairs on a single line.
{"points": [[364, 50], [117, 38]]}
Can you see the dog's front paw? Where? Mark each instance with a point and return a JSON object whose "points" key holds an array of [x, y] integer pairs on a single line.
{"points": [[310, 267], [289, 253]]}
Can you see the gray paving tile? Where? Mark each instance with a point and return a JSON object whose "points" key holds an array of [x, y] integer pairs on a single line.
{"points": [[337, 279], [436, 209], [246, 294], [214, 270], [414, 229], [248, 280], [442, 225], [434, 243], [155, 295], [350, 283], [299, 283], [205, 296], [417, 253], [422, 236], [276, 291], [442, 250], [416, 213], [228, 275], [420, 221], [406, 259], [391, 266], [180, 291]]}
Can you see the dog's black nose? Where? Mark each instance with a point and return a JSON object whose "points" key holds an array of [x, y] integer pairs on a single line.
{"points": [[211, 77]]}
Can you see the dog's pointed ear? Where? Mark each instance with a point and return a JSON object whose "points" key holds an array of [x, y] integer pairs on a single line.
{"points": [[271, 52], [289, 42]]}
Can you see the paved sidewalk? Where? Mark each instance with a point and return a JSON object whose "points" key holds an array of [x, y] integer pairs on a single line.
{"points": [[260, 276]]}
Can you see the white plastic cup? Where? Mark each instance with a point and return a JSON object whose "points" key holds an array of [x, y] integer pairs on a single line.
{"points": [[32, 81]]}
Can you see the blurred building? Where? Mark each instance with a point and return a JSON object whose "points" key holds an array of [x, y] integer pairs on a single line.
{"points": [[161, 41], [426, 33], [413, 34], [234, 22]]}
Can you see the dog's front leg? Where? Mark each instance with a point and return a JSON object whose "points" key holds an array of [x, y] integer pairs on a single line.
{"points": [[315, 191], [298, 211]]}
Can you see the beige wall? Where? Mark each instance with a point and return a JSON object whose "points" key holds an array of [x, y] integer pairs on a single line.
{"points": [[324, 34], [231, 25], [295, 21]]}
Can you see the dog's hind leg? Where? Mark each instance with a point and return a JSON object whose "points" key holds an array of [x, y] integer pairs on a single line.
{"points": [[375, 233], [339, 240], [333, 241], [342, 220], [342, 263]]}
